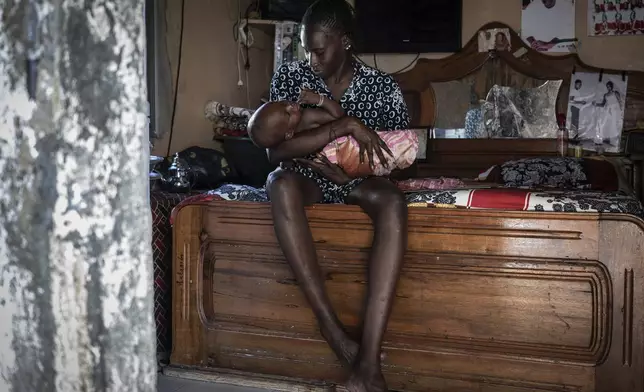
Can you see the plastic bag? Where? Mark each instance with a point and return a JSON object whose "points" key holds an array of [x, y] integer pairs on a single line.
{"points": [[522, 113]]}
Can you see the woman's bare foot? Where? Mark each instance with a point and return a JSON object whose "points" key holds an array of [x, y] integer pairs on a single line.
{"points": [[366, 378], [345, 348]]}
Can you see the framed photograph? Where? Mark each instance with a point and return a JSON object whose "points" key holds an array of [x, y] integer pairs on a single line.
{"points": [[494, 39], [596, 110]]}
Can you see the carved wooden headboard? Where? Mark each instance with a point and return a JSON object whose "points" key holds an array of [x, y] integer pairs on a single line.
{"points": [[517, 68]]}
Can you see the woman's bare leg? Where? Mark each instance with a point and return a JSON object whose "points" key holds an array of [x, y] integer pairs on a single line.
{"points": [[290, 192], [385, 204]]}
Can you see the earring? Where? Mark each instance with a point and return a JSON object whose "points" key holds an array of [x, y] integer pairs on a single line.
{"points": [[347, 47]]}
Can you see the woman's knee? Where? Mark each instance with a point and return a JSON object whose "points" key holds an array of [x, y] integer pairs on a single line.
{"points": [[392, 199], [281, 182], [380, 198], [286, 186], [388, 211], [280, 179]]}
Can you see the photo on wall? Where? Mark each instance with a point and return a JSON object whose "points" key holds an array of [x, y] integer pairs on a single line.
{"points": [[595, 115], [548, 25], [494, 39], [615, 17]]}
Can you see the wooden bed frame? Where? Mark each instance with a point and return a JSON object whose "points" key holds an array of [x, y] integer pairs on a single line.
{"points": [[487, 300], [521, 66]]}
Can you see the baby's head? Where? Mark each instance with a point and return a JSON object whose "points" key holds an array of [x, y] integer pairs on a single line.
{"points": [[273, 123]]}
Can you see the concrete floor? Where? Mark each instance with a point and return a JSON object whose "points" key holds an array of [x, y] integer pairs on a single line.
{"points": [[173, 384]]}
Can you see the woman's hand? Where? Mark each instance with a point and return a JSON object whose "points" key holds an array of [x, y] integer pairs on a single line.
{"points": [[308, 97], [324, 167], [368, 140]]}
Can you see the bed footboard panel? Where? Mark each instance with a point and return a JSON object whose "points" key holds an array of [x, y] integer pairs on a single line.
{"points": [[488, 301]]}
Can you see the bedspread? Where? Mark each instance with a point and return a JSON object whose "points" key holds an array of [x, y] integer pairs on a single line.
{"points": [[481, 198]]}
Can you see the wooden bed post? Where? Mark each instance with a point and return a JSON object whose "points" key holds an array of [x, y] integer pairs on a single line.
{"points": [[186, 270], [75, 228], [621, 248]]}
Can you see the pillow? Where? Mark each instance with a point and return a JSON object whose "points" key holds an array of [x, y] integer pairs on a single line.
{"points": [[345, 152], [556, 172], [594, 173]]}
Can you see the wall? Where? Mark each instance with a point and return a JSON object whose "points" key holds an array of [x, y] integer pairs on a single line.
{"points": [[209, 70], [209, 67]]}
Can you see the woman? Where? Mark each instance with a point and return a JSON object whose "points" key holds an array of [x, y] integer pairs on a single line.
{"points": [[372, 100], [610, 121]]}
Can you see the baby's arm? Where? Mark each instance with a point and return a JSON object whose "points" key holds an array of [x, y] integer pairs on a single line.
{"points": [[313, 118], [312, 98]]}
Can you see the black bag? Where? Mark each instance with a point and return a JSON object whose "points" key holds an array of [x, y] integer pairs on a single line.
{"points": [[209, 167]]}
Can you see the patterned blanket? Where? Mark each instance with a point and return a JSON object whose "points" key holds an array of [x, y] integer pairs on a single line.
{"points": [[510, 199]]}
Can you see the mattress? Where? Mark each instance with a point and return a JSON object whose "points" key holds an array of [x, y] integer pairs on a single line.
{"points": [[496, 198]]}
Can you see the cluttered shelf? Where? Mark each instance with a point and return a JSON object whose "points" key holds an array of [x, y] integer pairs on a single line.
{"points": [[286, 44]]}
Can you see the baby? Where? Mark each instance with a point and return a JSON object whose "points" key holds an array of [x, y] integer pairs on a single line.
{"points": [[275, 122]]}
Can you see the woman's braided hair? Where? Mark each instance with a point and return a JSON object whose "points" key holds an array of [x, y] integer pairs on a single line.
{"points": [[335, 15]]}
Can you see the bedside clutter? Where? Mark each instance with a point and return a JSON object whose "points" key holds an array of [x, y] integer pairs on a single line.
{"points": [[249, 162], [195, 168]]}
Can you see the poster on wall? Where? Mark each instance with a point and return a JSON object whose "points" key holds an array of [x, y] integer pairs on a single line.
{"points": [[548, 25], [596, 110], [615, 17], [494, 39]]}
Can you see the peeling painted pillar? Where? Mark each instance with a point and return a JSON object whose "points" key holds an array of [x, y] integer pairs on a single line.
{"points": [[76, 298]]}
